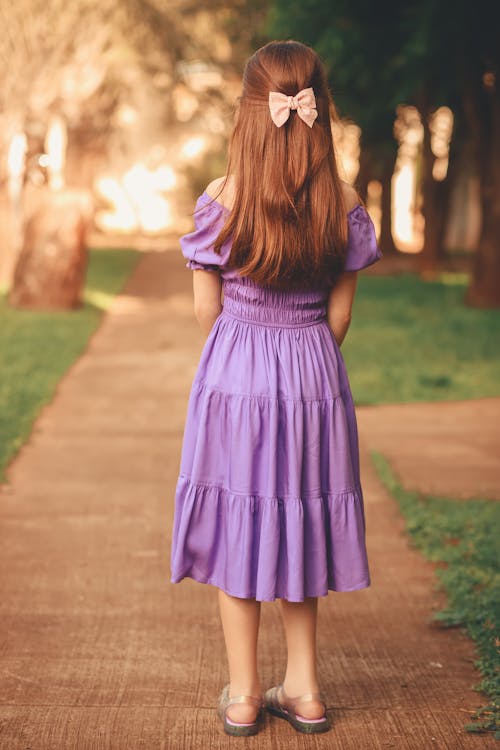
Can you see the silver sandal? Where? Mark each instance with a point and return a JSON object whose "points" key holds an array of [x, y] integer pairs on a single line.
{"points": [[285, 709], [238, 729]]}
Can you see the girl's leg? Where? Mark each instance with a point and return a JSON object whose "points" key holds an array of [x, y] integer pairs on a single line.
{"points": [[300, 620], [240, 622]]}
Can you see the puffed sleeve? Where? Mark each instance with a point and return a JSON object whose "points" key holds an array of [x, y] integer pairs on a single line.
{"points": [[362, 247], [197, 246]]}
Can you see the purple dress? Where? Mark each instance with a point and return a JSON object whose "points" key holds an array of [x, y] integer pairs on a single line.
{"points": [[268, 500]]}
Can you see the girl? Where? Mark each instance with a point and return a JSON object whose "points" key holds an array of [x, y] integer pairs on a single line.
{"points": [[268, 501]]}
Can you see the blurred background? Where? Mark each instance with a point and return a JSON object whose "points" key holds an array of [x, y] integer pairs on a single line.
{"points": [[114, 115]]}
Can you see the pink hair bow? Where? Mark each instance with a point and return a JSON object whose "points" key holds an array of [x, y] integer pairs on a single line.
{"points": [[281, 104]]}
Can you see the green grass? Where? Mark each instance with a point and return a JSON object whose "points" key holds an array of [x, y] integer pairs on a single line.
{"points": [[463, 537], [37, 348], [414, 340]]}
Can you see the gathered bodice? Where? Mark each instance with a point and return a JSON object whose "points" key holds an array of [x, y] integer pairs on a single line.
{"points": [[246, 300]]}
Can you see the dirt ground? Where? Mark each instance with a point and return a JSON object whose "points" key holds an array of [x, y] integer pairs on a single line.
{"points": [[99, 650]]}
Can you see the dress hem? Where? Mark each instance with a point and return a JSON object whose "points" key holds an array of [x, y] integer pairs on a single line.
{"points": [[200, 578]]}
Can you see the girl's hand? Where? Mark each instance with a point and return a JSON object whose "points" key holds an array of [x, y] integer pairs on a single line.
{"points": [[339, 305], [207, 289]]}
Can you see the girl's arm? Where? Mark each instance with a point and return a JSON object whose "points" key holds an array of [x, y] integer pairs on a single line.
{"points": [[342, 295], [207, 289], [339, 305]]}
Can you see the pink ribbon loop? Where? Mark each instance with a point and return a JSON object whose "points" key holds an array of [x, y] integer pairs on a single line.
{"points": [[304, 102]]}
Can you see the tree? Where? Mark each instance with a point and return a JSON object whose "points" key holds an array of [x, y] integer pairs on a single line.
{"points": [[427, 54], [349, 37], [79, 62], [478, 65], [452, 53]]}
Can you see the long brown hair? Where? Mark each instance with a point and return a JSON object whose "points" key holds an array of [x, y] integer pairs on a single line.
{"points": [[288, 223]]}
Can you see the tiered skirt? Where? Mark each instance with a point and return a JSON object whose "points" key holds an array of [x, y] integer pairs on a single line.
{"points": [[268, 501]]}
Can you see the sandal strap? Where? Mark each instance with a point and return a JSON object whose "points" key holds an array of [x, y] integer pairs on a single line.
{"points": [[227, 701], [292, 702], [245, 699]]}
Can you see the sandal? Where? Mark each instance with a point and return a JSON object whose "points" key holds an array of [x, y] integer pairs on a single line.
{"points": [[285, 709], [237, 729]]}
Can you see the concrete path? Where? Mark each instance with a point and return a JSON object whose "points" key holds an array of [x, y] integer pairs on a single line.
{"points": [[450, 448], [99, 650]]}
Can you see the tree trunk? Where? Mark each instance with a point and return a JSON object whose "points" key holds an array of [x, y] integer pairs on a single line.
{"points": [[484, 290], [434, 209], [386, 241], [365, 173], [50, 271]]}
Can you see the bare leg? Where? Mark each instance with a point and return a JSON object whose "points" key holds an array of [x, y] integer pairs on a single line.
{"points": [[300, 620], [240, 622]]}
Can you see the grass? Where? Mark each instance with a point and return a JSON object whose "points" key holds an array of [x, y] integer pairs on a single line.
{"points": [[414, 340], [37, 348], [463, 537]]}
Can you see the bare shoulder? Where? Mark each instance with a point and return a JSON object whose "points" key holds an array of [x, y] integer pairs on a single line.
{"points": [[222, 190], [213, 188], [351, 196]]}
